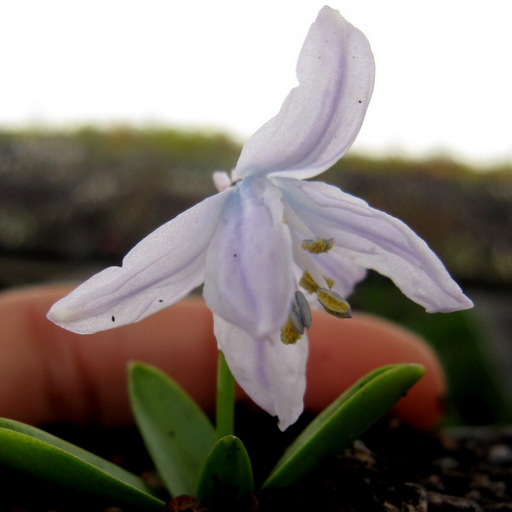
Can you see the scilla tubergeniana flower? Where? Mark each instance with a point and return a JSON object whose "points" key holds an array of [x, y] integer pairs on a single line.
{"points": [[270, 244]]}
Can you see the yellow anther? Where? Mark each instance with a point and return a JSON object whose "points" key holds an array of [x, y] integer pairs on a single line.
{"points": [[318, 246], [333, 303], [308, 283], [290, 335], [329, 281]]}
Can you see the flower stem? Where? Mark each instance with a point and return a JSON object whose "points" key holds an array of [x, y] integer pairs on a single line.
{"points": [[225, 399]]}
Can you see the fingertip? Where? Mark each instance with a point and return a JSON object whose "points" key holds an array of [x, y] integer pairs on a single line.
{"points": [[342, 352], [48, 374]]}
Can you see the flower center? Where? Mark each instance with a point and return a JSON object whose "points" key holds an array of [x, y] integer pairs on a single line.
{"points": [[299, 317]]}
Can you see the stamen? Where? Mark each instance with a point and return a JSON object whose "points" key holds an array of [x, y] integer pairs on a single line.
{"points": [[296, 319], [308, 283], [290, 335], [329, 281], [318, 246], [302, 305], [333, 303]]}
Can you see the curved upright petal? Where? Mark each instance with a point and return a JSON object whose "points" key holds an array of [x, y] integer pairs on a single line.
{"points": [[160, 270], [249, 264], [320, 118], [271, 373], [375, 240]]}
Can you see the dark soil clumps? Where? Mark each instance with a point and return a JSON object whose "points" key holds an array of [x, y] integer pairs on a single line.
{"points": [[397, 469], [393, 468]]}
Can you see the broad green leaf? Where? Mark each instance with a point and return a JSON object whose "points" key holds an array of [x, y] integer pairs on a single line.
{"points": [[177, 434], [44, 456], [344, 421], [226, 477]]}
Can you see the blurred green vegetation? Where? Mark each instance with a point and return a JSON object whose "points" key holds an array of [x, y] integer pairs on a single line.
{"points": [[99, 192], [81, 199]]}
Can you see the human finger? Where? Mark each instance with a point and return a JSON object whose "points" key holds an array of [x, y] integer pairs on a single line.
{"points": [[51, 375], [343, 352]]}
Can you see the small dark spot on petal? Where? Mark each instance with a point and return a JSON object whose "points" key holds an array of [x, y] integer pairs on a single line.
{"points": [[359, 101], [235, 255], [113, 318], [160, 300]]}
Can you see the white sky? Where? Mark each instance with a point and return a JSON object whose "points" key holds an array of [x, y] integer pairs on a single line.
{"points": [[444, 73]]}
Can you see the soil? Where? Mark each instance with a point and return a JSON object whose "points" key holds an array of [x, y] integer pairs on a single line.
{"points": [[392, 468]]}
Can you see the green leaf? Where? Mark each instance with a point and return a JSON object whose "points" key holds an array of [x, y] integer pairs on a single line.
{"points": [[226, 477], [340, 424], [177, 434], [44, 456]]}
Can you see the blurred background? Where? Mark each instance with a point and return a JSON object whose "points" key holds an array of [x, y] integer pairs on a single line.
{"points": [[113, 116]]}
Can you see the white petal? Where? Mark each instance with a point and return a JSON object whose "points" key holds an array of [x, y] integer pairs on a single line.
{"points": [[271, 373], [161, 269], [320, 118], [249, 276], [376, 240]]}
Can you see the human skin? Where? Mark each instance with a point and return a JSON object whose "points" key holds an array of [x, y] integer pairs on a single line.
{"points": [[49, 375]]}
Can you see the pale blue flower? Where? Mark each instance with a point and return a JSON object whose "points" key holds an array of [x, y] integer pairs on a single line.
{"points": [[268, 233]]}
